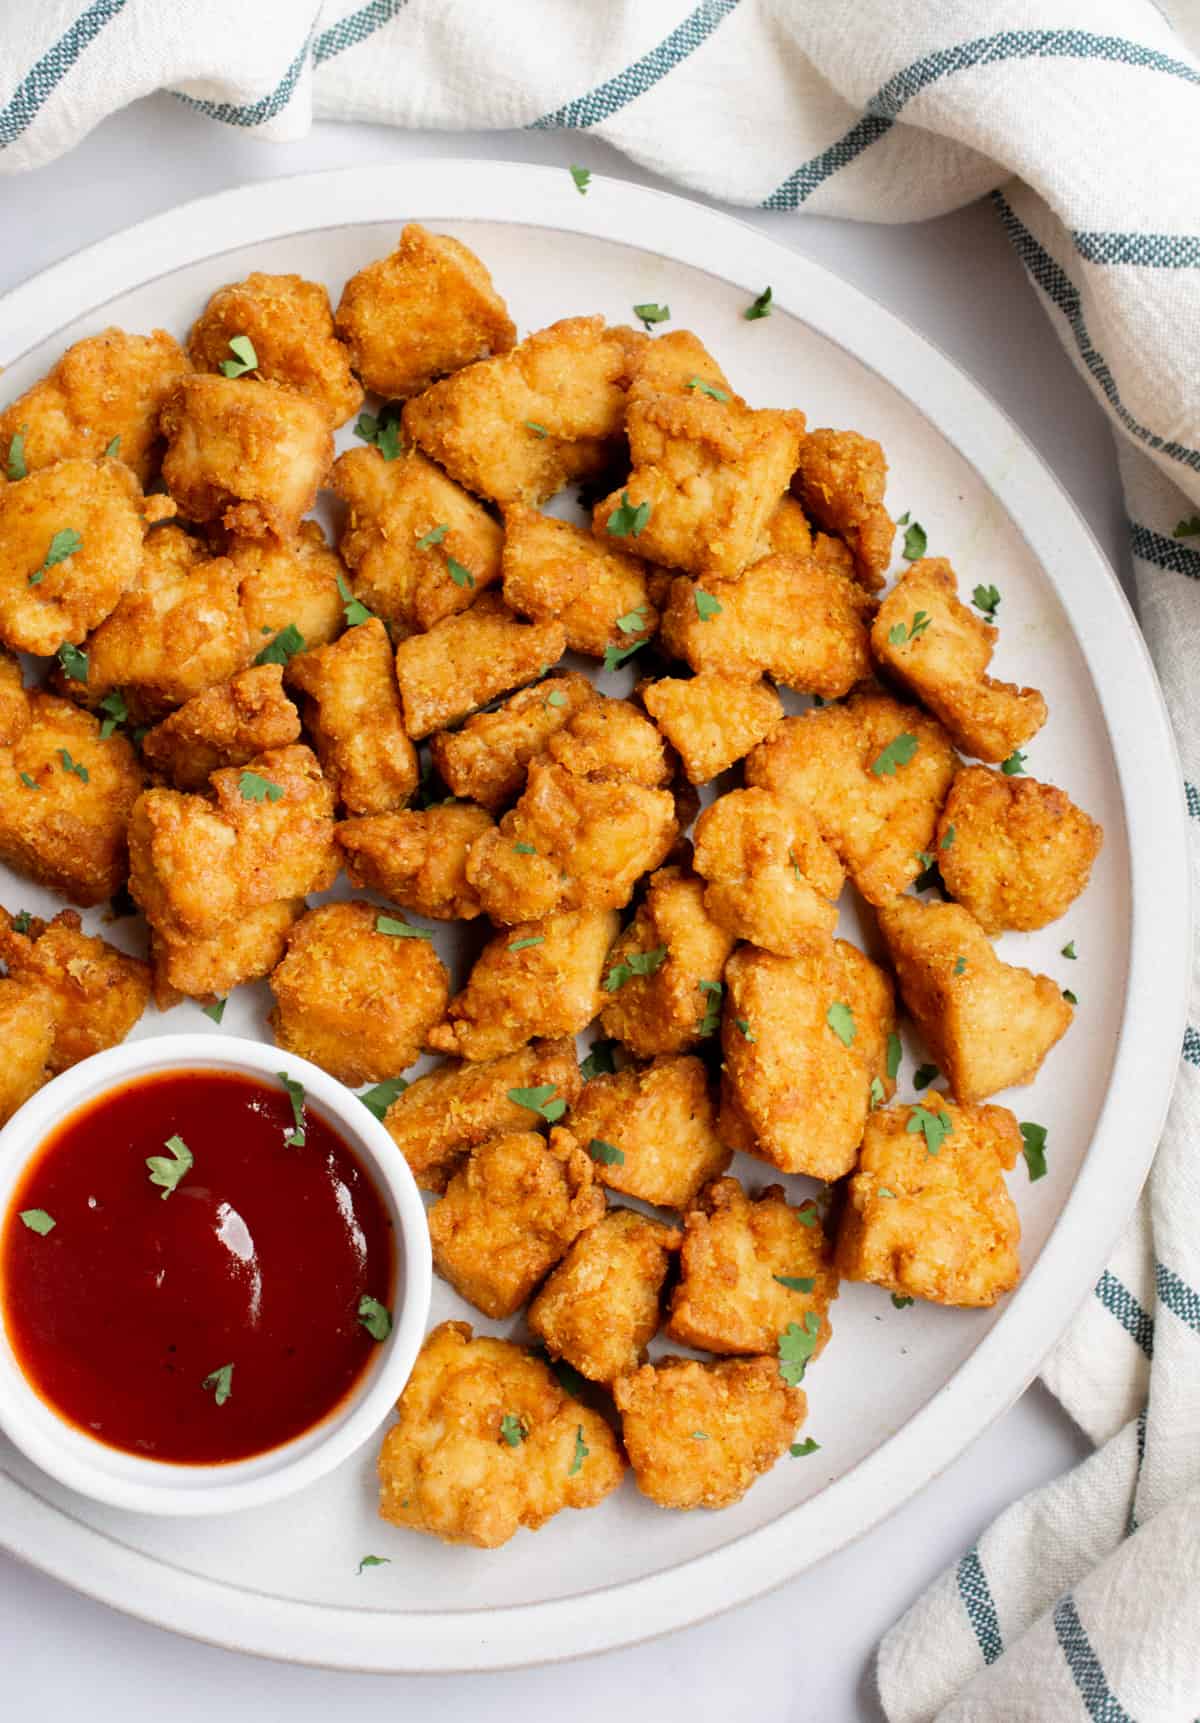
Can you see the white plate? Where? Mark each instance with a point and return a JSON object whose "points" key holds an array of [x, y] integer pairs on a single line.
{"points": [[899, 1393]]}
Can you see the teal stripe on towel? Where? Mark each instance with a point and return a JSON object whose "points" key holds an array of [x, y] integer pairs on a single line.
{"points": [[635, 80], [979, 1604], [1100, 1701], [44, 77]]}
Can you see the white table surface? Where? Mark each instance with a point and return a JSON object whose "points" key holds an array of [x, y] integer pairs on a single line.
{"points": [[806, 1650]]}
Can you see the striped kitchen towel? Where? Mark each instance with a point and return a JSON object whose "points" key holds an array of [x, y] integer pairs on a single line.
{"points": [[1080, 119]]}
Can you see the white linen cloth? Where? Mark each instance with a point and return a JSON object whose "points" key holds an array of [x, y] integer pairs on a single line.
{"points": [[1081, 120]]}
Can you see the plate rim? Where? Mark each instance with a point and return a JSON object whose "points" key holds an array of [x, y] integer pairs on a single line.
{"points": [[1145, 1063]]}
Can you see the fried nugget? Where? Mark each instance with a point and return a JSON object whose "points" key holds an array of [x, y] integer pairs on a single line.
{"points": [[420, 546], [698, 1435], [611, 742], [840, 478], [652, 1130], [519, 427], [599, 1309], [770, 876], [874, 773], [467, 660], [97, 993], [554, 571], [487, 760], [669, 961], [487, 1442], [788, 529], [937, 1225], [27, 1035], [418, 859], [223, 726], [424, 311], [940, 652], [289, 584], [248, 454], [541, 978], [105, 389], [246, 949], [352, 710], [712, 720], [988, 1025], [509, 1215], [289, 323]]}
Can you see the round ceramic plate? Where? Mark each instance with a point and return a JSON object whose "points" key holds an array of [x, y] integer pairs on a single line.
{"points": [[899, 1393]]}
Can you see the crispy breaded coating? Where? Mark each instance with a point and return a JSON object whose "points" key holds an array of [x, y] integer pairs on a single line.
{"points": [[27, 1034], [988, 1025], [1015, 852], [554, 571], [107, 387], [840, 478], [352, 711], [289, 323], [466, 660], [698, 1435], [509, 1215], [487, 1442], [802, 1038], [449, 1111], [739, 1258], [420, 546], [426, 310], [487, 760], [289, 584], [660, 1120], [611, 742], [248, 454], [600, 1307], [223, 726], [788, 528], [246, 949], [771, 877], [541, 978], [944, 663], [97, 993], [712, 720], [417, 858], [353, 998], [518, 427], [670, 1008], [197, 863], [800, 621], [938, 1226], [875, 801]]}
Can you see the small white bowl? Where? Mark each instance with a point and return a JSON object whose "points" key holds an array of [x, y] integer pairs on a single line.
{"points": [[154, 1487]]}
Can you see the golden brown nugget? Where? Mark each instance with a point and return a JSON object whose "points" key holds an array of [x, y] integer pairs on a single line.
{"points": [[541, 978], [106, 389], [354, 998], [250, 455], [246, 949], [292, 584], [467, 660], [420, 546], [748, 1267], [289, 323], [939, 651], [509, 1215], [788, 528], [988, 1025], [97, 993], [801, 1037], [656, 1130], [698, 1435], [770, 876], [671, 363], [197, 863], [223, 726], [27, 1035], [800, 621], [874, 773], [438, 1119], [669, 962], [424, 311], [712, 720], [599, 1309], [942, 1225], [417, 858], [554, 571], [840, 478], [352, 711], [1013, 851], [488, 759], [611, 742], [487, 1442], [518, 427]]}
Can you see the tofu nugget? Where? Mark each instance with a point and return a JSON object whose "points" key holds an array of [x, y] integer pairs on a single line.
{"points": [[509, 1215], [651, 1130], [97, 993], [223, 726], [987, 1024], [292, 584], [27, 1035], [600, 1307], [289, 323], [554, 571], [487, 760], [487, 1442], [246, 949], [840, 478], [418, 859], [771, 877], [1015, 852], [663, 976], [933, 644], [352, 710], [426, 310], [698, 1435], [938, 1225], [465, 661], [712, 720], [874, 773]]}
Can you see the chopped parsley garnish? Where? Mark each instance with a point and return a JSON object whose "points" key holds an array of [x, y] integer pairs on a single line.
{"points": [[435, 535], [808, 1215], [569, 1379], [70, 765], [374, 1561], [115, 712], [633, 621], [960, 966], [382, 431], [925, 1075], [74, 662], [615, 656], [1034, 1139], [295, 1138], [538, 430], [706, 605], [986, 598], [460, 575], [544, 1099], [29, 783], [112, 451], [284, 647], [935, 1126], [795, 1282], [354, 610], [512, 1430], [900, 1301], [22, 921], [899, 634], [903, 520], [924, 857], [397, 929], [948, 839], [743, 1025], [15, 468], [252, 787], [1069, 996], [168, 1172], [599, 1060], [883, 1191], [64, 543], [376, 1318], [915, 541], [607, 1154], [628, 519], [651, 313], [216, 1010], [556, 698], [524, 849], [799, 1450], [796, 1346], [524, 944], [898, 752], [761, 307], [699, 1435], [221, 1383], [582, 178], [244, 357], [1068, 950], [711, 1020], [709, 389], [840, 1019], [877, 1092], [1185, 529], [1014, 766], [37, 1220], [380, 1098], [637, 963], [894, 1051], [581, 1452]]}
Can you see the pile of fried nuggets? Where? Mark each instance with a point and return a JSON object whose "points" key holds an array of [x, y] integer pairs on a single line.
{"points": [[235, 715]]}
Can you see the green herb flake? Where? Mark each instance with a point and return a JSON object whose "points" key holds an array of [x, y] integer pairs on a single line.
{"points": [[699, 1435], [903, 520], [894, 1051], [244, 357], [374, 1561], [115, 712], [74, 662], [883, 1191], [795, 1282], [376, 1318], [543, 1099], [254, 788], [948, 840], [801, 1450], [568, 1378], [460, 575], [915, 541], [397, 929], [524, 850], [637, 963], [808, 1216], [73, 766], [221, 1383], [743, 1025], [1069, 996], [29, 783], [37, 1220], [1068, 950], [1034, 1139], [628, 519], [796, 1346], [582, 178], [168, 1172], [709, 389], [925, 1075], [383, 432], [960, 966], [900, 634], [707, 606], [935, 1126], [283, 648], [900, 1301], [22, 921], [112, 450], [633, 621], [538, 430], [1185, 529], [435, 535], [651, 313], [524, 944], [607, 1154], [556, 698], [581, 1452], [380, 1098], [840, 1019], [63, 544], [761, 307], [353, 609], [599, 1059], [1014, 766], [295, 1138], [898, 752], [615, 656], [512, 1431], [15, 467], [877, 1092], [711, 1021], [987, 599], [216, 1010]]}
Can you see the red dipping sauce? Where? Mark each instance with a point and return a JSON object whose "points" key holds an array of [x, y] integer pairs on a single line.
{"points": [[257, 1259]]}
